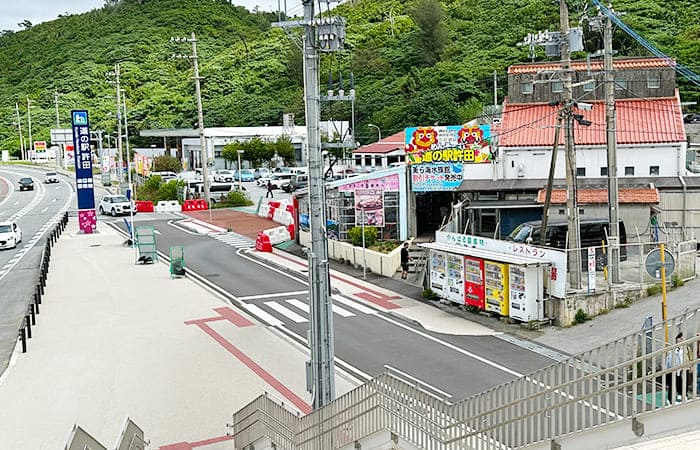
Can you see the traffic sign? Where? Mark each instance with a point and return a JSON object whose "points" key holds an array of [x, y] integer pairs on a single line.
{"points": [[652, 262]]}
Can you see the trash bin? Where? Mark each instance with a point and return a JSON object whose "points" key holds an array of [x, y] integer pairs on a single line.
{"points": [[177, 261]]}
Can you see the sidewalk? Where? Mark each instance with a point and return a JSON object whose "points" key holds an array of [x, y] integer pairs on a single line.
{"points": [[115, 339]]}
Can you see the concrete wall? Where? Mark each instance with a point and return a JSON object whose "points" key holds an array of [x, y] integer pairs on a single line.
{"points": [[380, 263], [563, 311]]}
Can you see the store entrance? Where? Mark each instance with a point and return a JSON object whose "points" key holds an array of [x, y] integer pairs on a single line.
{"points": [[431, 208]]}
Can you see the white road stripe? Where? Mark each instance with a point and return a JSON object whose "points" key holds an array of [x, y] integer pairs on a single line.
{"points": [[286, 312], [304, 307], [342, 312], [354, 305], [279, 294], [44, 210], [262, 315], [15, 204]]}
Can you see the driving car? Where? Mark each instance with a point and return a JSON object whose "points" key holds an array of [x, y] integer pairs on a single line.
{"points": [[223, 176], [26, 184], [10, 235], [51, 177], [115, 204], [244, 175]]}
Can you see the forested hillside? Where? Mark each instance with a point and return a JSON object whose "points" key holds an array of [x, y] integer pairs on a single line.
{"points": [[421, 61]]}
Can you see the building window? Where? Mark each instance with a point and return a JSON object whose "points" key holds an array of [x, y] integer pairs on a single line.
{"points": [[581, 211], [653, 170], [603, 171], [629, 171], [589, 86], [620, 84], [557, 86], [358, 160], [528, 87], [653, 82], [580, 171], [562, 211]]}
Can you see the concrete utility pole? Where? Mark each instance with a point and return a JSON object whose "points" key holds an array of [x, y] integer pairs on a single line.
{"points": [[200, 114], [120, 161], [611, 129], [126, 139], [322, 365], [19, 129], [55, 101], [550, 180], [574, 238], [29, 123]]}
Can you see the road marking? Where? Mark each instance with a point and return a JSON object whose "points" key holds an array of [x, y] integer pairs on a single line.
{"points": [[342, 312], [44, 210], [354, 305], [279, 294], [156, 231], [15, 204], [262, 315], [286, 312], [306, 308], [444, 394]]}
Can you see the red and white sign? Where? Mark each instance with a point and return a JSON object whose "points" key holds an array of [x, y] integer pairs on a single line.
{"points": [[39, 146]]}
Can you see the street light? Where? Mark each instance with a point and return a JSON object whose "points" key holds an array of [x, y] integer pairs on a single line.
{"points": [[240, 175], [200, 115], [378, 130]]}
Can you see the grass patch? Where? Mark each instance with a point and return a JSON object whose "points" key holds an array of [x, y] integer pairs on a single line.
{"points": [[385, 246], [581, 316]]}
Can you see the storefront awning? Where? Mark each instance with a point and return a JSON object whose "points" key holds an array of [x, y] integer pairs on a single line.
{"points": [[485, 254]]}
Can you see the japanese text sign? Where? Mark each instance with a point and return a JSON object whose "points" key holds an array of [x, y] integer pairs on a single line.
{"points": [[465, 144], [83, 159], [435, 177]]}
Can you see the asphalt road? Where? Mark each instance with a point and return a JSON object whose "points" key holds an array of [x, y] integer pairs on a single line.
{"points": [[35, 212], [365, 340]]}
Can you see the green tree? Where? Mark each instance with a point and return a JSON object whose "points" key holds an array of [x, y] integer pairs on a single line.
{"points": [[230, 151], [284, 149], [429, 41], [166, 163]]}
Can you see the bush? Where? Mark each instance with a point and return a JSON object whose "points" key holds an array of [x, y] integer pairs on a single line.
{"points": [[238, 198], [168, 191], [581, 316], [385, 246], [654, 290], [355, 235], [430, 294], [676, 281]]}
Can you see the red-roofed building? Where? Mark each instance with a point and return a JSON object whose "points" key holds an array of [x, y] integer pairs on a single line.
{"points": [[381, 154]]}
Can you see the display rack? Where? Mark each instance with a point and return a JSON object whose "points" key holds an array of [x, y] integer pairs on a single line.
{"points": [[145, 239]]}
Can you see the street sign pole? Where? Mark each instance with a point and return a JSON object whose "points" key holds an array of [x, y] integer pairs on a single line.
{"points": [[663, 290]]}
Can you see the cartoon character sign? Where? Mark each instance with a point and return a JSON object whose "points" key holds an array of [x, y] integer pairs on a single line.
{"points": [[449, 144]]}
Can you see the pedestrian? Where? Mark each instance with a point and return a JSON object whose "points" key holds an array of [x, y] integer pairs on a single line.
{"points": [[269, 189], [405, 258], [674, 358]]}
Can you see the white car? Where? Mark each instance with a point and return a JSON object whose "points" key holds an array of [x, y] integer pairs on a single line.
{"points": [[10, 235], [115, 204], [51, 177], [223, 176]]}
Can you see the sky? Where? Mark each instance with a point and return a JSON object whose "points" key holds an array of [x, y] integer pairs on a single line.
{"points": [[36, 11]]}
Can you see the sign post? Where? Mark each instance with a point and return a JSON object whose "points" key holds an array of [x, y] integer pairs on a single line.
{"points": [[83, 171], [591, 269], [656, 263]]}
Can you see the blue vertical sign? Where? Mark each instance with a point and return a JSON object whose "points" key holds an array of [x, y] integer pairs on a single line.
{"points": [[83, 159]]}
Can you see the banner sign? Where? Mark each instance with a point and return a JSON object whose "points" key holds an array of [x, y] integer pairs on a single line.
{"points": [[39, 146], [68, 156], [369, 207], [83, 170], [388, 183], [436, 177], [465, 144]]}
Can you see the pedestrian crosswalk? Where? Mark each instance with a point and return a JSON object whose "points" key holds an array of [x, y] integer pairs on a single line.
{"points": [[280, 311], [233, 239]]}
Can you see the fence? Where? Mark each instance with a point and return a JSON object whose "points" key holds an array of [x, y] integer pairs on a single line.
{"points": [[33, 309], [622, 380]]}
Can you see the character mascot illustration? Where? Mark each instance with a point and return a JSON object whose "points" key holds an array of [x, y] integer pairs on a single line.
{"points": [[422, 140], [472, 138]]}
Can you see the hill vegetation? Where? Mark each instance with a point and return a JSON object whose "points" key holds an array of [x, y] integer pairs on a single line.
{"points": [[416, 62]]}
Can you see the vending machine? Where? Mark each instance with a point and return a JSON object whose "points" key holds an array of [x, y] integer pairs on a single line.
{"points": [[455, 278], [474, 282], [496, 287], [525, 286], [438, 273]]}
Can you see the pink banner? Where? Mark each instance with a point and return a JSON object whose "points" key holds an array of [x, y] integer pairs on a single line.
{"points": [[87, 220], [388, 183]]}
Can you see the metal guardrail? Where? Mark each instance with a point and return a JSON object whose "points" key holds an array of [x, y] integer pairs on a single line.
{"points": [[33, 309], [620, 381]]}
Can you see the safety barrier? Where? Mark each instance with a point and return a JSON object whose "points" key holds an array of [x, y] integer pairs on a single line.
{"points": [[195, 205], [262, 243], [144, 206], [277, 235], [168, 206], [29, 320]]}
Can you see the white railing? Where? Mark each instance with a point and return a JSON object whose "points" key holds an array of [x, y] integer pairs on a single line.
{"points": [[619, 381]]}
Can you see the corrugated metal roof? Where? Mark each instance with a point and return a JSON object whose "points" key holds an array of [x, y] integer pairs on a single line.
{"points": [[387, 145], [639, 121], [596, 65], [600, 196]]}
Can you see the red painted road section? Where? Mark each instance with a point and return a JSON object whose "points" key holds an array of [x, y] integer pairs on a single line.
{"points": [[240, 321], [193, 445], [367, 294]]}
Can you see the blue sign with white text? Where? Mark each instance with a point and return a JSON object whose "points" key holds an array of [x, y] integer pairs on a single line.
{"points": [[83, 160]]}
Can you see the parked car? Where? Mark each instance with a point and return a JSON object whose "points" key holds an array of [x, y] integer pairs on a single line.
{"points": [[115, 204], [297, 182], [51, 177], [261, 172], [26, 184], [10, 235], [244, 175], [165, 176], [278, 179], [223, 176], [691, 118]]}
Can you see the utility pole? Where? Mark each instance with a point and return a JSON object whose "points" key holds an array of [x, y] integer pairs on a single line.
{"points": [[120, 162], [29, 124], [574, 239], [19, 129], [611, 129], [550, 180], [126, 140], [55, 101], [200, 114]]}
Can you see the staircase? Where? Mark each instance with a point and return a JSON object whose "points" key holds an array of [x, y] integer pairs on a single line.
{"points": [[416, 265]]}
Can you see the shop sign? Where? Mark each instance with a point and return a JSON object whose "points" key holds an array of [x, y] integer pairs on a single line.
{"points": [[556, 258], [435, 177], [40, 146], [464, 144], [369, 207], [389, 183], [83, 171]]}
